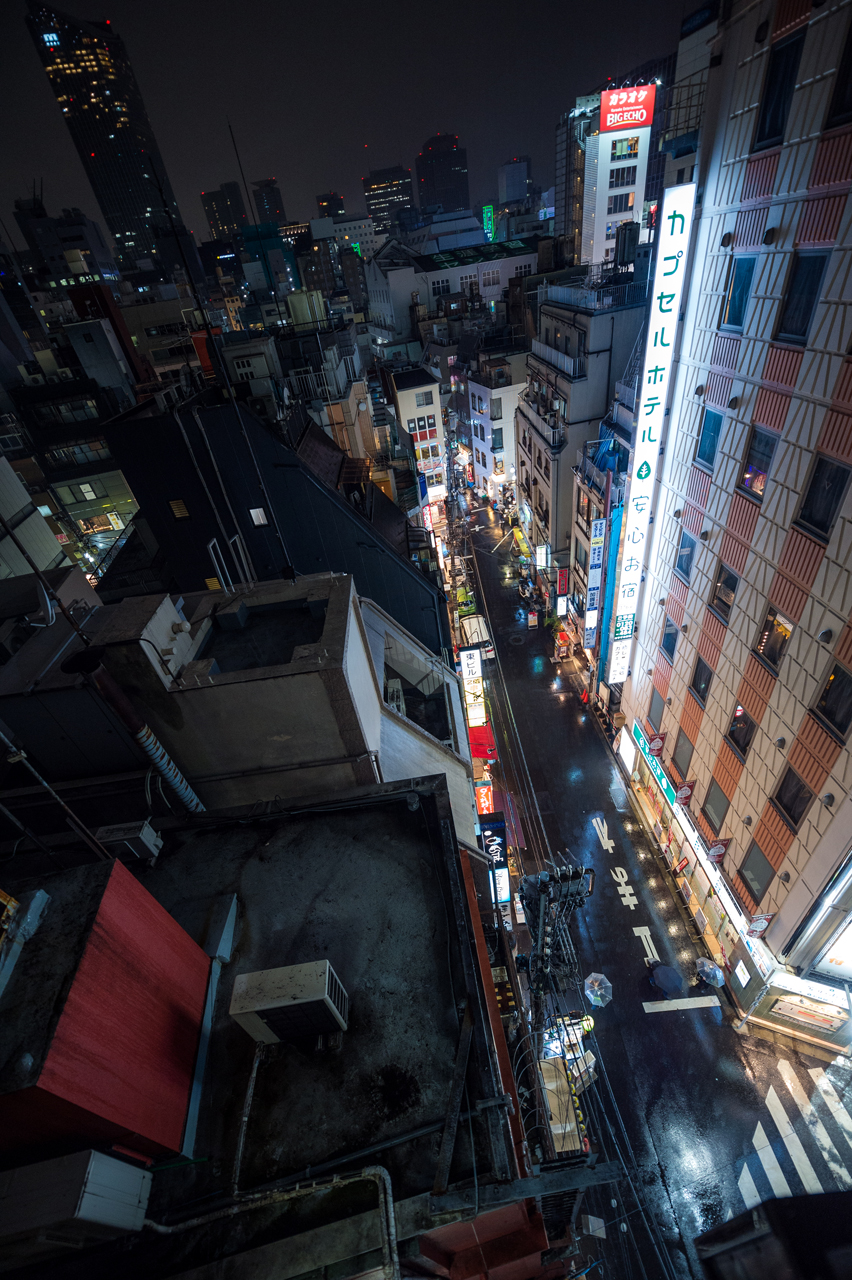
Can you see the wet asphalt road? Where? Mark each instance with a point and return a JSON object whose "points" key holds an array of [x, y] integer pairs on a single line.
{"points": [[715, 1120]]}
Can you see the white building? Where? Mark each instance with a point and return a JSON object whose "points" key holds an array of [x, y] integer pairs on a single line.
{"points": [[417, 397], [402, 284], [494, 389]]}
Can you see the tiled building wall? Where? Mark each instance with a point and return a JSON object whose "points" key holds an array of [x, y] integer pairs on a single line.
{"points": [[803, 397]]}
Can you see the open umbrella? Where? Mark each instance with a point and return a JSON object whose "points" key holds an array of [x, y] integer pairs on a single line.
{"points": [[667, 979], [710, 972], [598, 990]]}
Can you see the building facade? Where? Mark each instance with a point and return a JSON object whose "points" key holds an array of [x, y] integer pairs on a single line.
{"points": [[225, 210], [93, 81], [329, 204], [514, 181], [387, 192], [494, 387], [267, 201], [442, 174], [740, 673]]}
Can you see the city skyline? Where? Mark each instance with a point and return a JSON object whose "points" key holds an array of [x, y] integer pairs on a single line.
{"points": [[190, 112]]}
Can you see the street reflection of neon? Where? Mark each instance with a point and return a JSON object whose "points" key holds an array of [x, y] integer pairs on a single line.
{"points": [[538, 665]]}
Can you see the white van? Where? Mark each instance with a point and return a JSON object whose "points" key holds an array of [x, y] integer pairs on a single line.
{"points": [[475, 634]]}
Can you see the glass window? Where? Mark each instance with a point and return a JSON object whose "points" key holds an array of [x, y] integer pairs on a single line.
{"points": [[739, 291], [656, 709], [840, 111], [624, 149], [701, 680], [620, 203], [682, 753], [722, 599], [411, 424], [774, 637], [793, 796], [497, 439], [583, 506], [685, 555], [708, 441], [757, 871], [422, 398], [716, 806], [625, 177], [824, 496], [496, 408], [835, 704], [757, 462], [668, 644], [581, 555], [778, 91], [440, 287], [801, 297], [742, 730]]}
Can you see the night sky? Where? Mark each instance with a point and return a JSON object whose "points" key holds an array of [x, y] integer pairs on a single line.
{"points": [[307, 85]]}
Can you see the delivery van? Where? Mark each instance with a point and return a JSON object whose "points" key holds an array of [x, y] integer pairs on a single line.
{"points": [[475, 634]]}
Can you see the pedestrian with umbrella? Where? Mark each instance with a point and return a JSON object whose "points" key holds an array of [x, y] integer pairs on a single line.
{"points": [[666, 979]]}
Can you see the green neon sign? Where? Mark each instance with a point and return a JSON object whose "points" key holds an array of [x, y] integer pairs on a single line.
{"points": [[488, 221], [654, 764], [356, 245]]}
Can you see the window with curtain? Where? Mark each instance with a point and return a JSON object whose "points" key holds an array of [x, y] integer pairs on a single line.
{"points": [[708, 441], [739, 291], [757, 462], [778, 88], [801, 297]]}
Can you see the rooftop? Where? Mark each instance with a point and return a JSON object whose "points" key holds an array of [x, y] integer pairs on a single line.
{"points": [[472, 254]]}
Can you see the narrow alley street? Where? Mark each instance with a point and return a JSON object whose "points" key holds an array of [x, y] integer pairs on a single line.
{"points": [[716, 1121]]}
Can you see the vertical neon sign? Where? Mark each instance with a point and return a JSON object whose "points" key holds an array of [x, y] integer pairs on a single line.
{"points": [[672, 245]]}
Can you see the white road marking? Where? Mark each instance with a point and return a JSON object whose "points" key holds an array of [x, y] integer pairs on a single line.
{"points": [[625, 891], [771, 1167], [665, 1006], [748, 1190], [642, 931], [816, 1126], [830, 1097], [600, 827], [795, 1150]]}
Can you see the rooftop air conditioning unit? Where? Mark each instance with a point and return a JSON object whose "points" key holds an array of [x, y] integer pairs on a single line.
{"points": [[293, 1003]]}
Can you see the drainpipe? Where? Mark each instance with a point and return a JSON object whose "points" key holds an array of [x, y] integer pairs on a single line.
{"points": [[88, 663]]}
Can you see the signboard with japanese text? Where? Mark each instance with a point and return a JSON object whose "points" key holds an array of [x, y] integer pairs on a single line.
{"points": [[542, 555], [672, 245], [684, 792], [484, 798], [471, 663], [630, 108], [596, 550], [717, 850], [561, 606], [494, 843], [653, 764], [474, 698], [656, 744], [532, 619], [562, 582], [488, 221], [760, 924]]}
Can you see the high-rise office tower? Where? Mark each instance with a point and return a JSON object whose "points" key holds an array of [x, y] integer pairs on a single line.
{"points": [[386, 191], [442, 174], [329, 204], [514, 181], [225, 210], [91, 76], [268, 202]]}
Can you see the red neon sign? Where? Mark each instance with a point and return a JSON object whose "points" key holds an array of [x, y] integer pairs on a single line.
{"points": [[631, 108]]}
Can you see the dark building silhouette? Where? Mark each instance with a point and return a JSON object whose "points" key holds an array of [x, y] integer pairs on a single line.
{"points": [[225, 210], [386, 192], [442, 174], [70, 247], [91, 76], [268, 202], [329, 204]]}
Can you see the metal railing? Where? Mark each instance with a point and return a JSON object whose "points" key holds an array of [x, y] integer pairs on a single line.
{"points": [[609, 298], [573, 367]]}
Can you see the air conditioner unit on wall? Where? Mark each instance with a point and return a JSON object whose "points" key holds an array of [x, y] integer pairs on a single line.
{"points": [[291, 1003]]}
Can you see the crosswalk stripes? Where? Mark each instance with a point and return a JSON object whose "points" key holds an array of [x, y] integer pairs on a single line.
{"points": [[780, 1163]]}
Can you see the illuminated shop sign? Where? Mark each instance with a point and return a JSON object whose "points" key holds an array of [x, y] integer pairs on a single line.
{"points": [[594, 585], [631, 108], [488, 221], [672, 246]]}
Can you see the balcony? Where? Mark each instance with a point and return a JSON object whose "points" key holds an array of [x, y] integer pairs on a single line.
{"points": [[544, 424], [595, 478], [574, 368], [609, 298]]}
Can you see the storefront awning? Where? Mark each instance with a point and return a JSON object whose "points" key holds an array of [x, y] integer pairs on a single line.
{"points": [[482, 744], [523, 545]]}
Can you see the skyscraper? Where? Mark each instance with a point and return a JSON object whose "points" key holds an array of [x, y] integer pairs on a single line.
{"points": [[386, 191], [329, 204], [442, 174], [225, 210], [91, 76], [514, 181], [268, 202]]}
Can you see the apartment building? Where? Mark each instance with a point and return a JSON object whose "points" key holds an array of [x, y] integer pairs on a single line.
{"points": [[584, 339], [737, 689], [494, 387]]}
